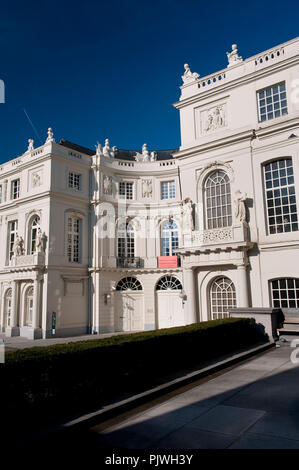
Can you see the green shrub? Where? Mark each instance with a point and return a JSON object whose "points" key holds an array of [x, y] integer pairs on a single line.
{"points": [[65, 377]]}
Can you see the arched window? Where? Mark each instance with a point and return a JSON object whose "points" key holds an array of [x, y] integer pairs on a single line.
{"points": [[222, 297], [285, 293], [280, 196], [28, 314], [8, 307], [169, 238], [169, 282], [129, 283], [33, 229], [126, 240], [218, 200]]}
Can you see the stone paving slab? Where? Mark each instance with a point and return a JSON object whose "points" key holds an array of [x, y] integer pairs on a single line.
{"points": [[252, 406]]}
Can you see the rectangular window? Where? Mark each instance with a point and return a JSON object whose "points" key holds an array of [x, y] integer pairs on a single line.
{"points": [[73, 240], [280, 196], [272, 102], [0, 194], [285, 293], [168, 190], [15, 189], [126, 190], [74, 181], [12, 232]]}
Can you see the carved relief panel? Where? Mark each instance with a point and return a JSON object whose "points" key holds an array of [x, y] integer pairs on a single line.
{"points": [[211, 119]]}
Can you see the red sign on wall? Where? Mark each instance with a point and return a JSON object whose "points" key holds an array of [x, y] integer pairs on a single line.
{"points": [[167, 262]]}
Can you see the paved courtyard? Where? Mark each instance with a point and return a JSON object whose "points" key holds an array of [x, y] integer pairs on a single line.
{"points": [[252, 406]]}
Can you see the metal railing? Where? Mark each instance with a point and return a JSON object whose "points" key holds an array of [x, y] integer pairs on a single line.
{"points": [[129, 262]]}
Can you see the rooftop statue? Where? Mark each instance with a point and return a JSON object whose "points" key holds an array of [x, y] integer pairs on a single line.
{"points": [[233, 56], [107, 151], [50, 137], [99, 149], [30, 145], [145, 155], [188, 76]]}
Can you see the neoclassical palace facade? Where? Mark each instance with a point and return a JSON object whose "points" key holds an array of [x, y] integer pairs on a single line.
{"points": [[104, 240]]}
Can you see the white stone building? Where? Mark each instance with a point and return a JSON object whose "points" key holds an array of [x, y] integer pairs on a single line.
{"points": [[118, 240]]}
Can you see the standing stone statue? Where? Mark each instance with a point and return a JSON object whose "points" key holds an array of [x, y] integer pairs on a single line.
{"points": [[50, 137], [18, 246], [240, 209], [187, 215], [30, 145]]}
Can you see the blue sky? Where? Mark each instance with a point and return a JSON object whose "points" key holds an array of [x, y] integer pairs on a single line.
{"points": [[98, 69]]}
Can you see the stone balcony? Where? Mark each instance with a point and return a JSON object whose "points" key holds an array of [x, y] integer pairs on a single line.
{"points": [[35, 260], [220, 238]]}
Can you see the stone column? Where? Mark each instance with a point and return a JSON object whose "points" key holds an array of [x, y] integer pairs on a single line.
{"points": [[242, 287], [13, 329], [189, 288], [36, 304]]}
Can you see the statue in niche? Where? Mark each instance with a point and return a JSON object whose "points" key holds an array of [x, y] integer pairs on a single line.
{"points": [[215, 119], [188, 76], [18, 246], [240, 208], [187, 215], [30, 145], [147, 189], [107, 184], [233, 56]]}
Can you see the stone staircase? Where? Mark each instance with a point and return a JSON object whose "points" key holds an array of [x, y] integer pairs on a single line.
{"points": [[290, 324]]}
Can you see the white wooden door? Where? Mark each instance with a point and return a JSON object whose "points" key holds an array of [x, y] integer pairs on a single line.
{"points": [[129, 311], [170, 309]]}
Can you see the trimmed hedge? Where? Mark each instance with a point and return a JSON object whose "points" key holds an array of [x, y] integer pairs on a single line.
{"points": [[81, 375]]}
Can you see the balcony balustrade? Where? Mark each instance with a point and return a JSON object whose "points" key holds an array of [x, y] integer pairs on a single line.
{"points": [[129, 262]]}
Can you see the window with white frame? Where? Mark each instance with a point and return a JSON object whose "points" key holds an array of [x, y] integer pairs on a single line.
{"points": [[74, 181], [28, 307], [280, 196], [167, 190], [222, 297], [126, 240], [73, 239], [126, 190], [15, 189], [169, 283], [33, 231], [129, 283], [218, 200], [272, 102], [0, 193], [285, 293], [169, 238], [12, 233]]}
